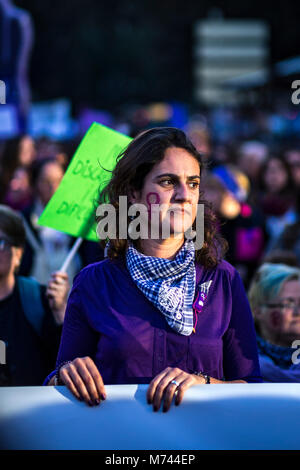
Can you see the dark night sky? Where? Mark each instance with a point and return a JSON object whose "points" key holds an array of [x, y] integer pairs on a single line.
{"points": [[107, 53]]}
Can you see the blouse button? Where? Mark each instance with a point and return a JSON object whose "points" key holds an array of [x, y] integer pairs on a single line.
{"points": [[178, 316]]}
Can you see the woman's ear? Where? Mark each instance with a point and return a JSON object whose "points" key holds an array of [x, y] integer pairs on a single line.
{"points": [[18, 253], [134, 196]]}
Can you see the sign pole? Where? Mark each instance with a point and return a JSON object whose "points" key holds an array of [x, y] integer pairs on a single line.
{"points": [[71, 255]]}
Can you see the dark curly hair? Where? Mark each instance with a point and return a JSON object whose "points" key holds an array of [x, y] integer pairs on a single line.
{"points": [[133, 164], [11, 224]]}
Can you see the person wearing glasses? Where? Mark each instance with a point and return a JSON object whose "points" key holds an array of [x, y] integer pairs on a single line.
{"points": [[274, 296], [31, 315]]}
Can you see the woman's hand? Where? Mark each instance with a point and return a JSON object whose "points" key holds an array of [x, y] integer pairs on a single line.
{"points": [[57, 293], [83, 379], [162, 388]]}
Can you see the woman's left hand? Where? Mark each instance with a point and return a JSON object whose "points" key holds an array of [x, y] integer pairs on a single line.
{"points": [[162, 388]]}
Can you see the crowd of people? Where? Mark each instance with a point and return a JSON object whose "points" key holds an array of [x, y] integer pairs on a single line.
{"points": [[252, 193]]}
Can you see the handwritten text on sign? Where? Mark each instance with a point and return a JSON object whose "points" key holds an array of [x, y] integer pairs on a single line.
{"points": [[73, 206]]}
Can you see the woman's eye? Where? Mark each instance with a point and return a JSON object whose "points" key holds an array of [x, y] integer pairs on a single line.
{"points": [[194, 184], [166, 182]]}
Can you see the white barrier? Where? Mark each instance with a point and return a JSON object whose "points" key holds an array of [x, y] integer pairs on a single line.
{"points": [[212, 417]]}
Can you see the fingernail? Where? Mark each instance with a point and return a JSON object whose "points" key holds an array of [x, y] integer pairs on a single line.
{"points": [[97, 401], [90, 403], [155, 408], [103, 396]]}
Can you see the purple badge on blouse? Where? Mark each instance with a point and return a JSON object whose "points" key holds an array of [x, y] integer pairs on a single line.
{"points": [[202, 293]]}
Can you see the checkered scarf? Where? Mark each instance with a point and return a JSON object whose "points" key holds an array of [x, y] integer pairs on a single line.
{"points": [[168, 284]]}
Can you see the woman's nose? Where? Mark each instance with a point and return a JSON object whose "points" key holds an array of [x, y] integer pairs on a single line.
{"points": [[182, 193]]}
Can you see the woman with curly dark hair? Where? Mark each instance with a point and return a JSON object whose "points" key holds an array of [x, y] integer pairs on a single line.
{"points": [[158, 310], [15, 162]]}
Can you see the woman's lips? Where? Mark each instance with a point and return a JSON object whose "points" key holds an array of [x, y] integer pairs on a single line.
{"points": [[180, 210]]}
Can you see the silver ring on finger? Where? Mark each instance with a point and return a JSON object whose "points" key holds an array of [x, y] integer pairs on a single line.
{"points": [[175, 382]]}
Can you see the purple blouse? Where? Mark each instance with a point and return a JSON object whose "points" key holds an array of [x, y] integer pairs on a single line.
{"points": [[109, 319]]}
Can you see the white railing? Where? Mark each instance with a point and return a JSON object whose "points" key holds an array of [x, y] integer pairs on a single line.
{"points": [[237, 416]]}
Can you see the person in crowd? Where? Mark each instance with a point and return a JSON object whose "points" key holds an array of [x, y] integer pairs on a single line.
{"points": [[278, 256], [290, 237], [197, 131], [62, 151], [277, 198], [251, 156], [19, 194], [292, 157], [46, 249], [223, 154], [240, 223], [18, 155], [31, 315], [274, 297], [159, 310]]}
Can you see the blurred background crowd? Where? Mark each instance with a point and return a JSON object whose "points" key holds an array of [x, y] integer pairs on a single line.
{"points": [[252, 183], [226, 79]]}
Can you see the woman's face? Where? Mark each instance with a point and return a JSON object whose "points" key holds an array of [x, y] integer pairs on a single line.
{"points": [[19, 186], [26, 151], [283, 313], [10, 257], [48, 181], [275, 177], [293, 159], [173, 183]]}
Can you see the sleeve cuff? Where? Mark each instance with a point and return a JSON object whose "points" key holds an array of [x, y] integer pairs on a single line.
{"points": [[49, 377]]}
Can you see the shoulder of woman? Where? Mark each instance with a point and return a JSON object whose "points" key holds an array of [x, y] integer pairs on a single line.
{"points": [[224, 268], [95, 271]]}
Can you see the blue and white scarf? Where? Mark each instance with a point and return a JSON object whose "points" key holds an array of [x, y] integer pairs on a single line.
{"points": [[168, 284], [280, 355]]}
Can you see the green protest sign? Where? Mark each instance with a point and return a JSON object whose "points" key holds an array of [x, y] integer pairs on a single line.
{"points": [[72, 208]]}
